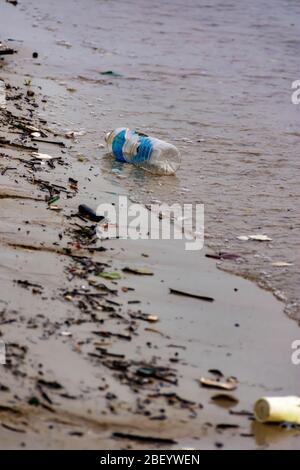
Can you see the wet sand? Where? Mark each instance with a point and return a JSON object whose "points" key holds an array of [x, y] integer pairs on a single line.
{"points": [[54, 393], [212, 77]]}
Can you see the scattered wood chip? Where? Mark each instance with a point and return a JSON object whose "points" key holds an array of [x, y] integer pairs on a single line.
{"points": [[153, 330], [150, 317], [241, 413], [223, 426], [138, 437], [136, 270], [230, 384], [5, 50], [189, 294], [109, 334], [12, 428], [50, 384]]}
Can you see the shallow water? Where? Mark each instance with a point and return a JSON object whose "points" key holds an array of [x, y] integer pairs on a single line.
{"points": [[212, 77]]}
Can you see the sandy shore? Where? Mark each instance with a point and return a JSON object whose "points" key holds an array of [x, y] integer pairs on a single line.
{"points": [[75, 372]]}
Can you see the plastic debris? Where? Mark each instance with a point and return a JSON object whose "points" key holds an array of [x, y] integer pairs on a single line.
{"points": [[64, 43], [111, 275], [53, 199], [149, 153], [278, 409], [260, 238]]}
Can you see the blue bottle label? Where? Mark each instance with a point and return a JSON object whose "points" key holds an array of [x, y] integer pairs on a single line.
{"points": [[144, 150], [132, 147], [117, 146]]}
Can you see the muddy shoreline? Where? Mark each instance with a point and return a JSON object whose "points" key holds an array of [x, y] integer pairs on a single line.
{"points": [[85, 366]]}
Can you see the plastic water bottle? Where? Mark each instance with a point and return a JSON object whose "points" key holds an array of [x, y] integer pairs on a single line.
{"points": [[149, 153]]}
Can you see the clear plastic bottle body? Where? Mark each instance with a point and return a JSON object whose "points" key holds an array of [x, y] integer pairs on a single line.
{"points": [[149, 153]]}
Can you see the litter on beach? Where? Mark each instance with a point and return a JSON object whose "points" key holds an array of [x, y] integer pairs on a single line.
{"points": [[149, 228], [229, 385], [281, 264], [278, 409], [112, 276], [258, 237], [151, 154], [43, 156], [189, 294], [138, 270]]}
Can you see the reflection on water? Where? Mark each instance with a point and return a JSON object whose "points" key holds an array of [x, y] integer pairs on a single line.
{"points": [[266, 434]]}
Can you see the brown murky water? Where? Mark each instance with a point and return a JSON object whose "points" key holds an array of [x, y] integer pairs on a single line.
{"points": [[212, 77]]}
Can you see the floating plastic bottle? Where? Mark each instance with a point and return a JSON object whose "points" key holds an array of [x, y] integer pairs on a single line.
{"points": [[149, 153]]}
